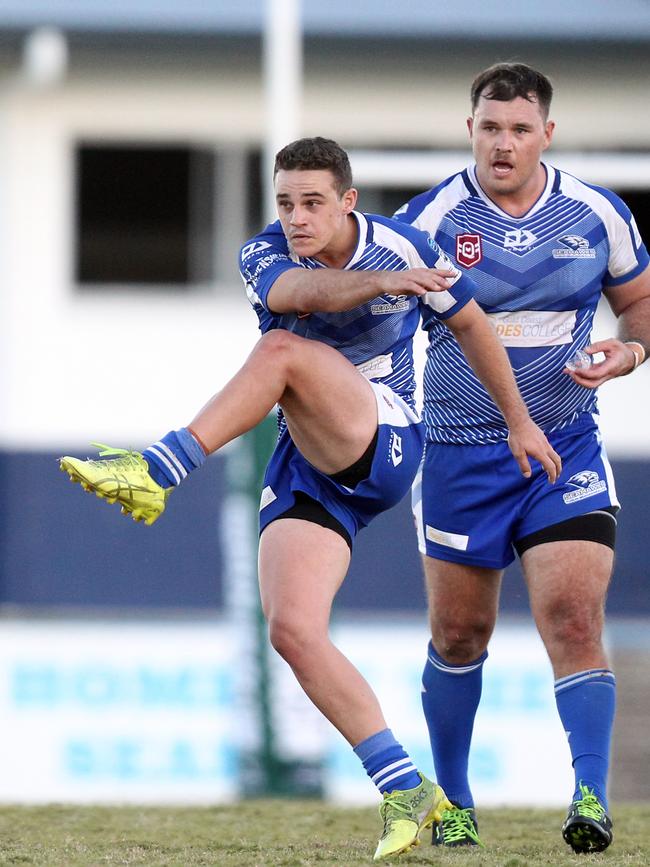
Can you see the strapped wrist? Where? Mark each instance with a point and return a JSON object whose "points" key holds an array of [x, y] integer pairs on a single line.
{"points": [[638, 350]]}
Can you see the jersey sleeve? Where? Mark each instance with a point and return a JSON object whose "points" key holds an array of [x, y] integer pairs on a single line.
{"points": [[461, 287], [628, 255], [261, 261], [410, 212], [426, 210]]}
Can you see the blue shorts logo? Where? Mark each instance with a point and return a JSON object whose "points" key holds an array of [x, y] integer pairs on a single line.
{"points": [[585, 484], [396, 453]]}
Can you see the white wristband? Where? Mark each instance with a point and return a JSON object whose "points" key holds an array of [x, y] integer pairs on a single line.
{"points": [[639, 354]]}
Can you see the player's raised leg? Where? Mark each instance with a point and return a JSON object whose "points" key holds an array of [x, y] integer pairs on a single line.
{"points": [[297, 595], [330, 408]]}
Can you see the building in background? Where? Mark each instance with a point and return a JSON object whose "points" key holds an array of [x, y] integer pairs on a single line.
{"points": [[131, 137]]}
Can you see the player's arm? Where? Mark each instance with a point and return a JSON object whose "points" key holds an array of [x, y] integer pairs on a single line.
{"points": [[329, 290], [489, 361], [630, 303]]}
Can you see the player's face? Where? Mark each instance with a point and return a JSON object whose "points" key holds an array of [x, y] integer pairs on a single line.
{"points": [[508, 139], [314, 215]]}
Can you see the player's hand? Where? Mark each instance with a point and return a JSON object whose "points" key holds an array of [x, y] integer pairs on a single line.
{"points": [[440, 278], [526, 440], [416, 281], [619, 360]]}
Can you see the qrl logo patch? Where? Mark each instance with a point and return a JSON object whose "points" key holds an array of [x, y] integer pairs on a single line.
{"points": [[468, 250]]}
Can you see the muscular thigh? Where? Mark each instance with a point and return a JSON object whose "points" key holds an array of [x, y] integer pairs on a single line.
{"points": [[459, 592], [567, 584], [301, 567], [387, 473], [329, 406], [570, 575], [566, 536]]}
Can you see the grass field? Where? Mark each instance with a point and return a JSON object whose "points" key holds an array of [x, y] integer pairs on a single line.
{"points": [[287, 834]]}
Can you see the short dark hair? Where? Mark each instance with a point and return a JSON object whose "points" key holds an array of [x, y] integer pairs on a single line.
{"points": [[507, 81], [316, 153]]}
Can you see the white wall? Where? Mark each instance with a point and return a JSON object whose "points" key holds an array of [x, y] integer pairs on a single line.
{"points": [[95, 365]]}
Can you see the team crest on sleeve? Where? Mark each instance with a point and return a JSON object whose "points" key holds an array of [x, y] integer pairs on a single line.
{"points": [[469, 250]]}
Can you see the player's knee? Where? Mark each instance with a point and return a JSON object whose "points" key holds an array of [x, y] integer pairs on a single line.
{"points": [[461, 641], [289, 638], [578, 628], [277, 347], [281, 636]]}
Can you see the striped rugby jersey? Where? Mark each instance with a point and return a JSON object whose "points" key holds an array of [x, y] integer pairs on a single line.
{"points": [[375, 336], [539, 278]]}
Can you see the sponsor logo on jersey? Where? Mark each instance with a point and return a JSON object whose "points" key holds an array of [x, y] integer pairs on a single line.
{"points": [[377, 368], [518, 239], [255, 247], [575, 247], [585, 484], [534, 327], [469, 251], [390, 304], [257, 267], [396, 453]]}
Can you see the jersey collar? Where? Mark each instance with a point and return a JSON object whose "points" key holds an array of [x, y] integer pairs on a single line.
{"points": [[475, 189], [362, 239], [364, 236]]}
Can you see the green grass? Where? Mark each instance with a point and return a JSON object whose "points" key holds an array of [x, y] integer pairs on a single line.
{"points": [[287, 834]]}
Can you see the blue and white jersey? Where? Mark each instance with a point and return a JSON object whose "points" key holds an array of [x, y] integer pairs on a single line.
{"points": [[375, 336], [539, 278]]}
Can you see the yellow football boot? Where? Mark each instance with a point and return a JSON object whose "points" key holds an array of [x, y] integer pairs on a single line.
{"points": [[406, 814], [123, 479]]}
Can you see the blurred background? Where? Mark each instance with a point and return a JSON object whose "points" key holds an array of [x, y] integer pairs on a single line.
{"points": [[135, 140]]}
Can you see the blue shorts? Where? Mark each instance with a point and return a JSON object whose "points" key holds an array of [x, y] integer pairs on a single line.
{"points": [[471, 503], [400, 441]]}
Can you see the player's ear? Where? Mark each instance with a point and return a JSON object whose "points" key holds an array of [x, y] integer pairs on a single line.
{"points": [[349, 199], [470, 127], [548, 133]]}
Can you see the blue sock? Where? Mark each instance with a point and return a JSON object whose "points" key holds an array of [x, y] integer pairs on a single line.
{"points": [[387, 763], [173, 457], [450, 699], [586, 702]]}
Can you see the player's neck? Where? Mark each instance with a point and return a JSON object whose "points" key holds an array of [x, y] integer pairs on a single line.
{"points": [[518, 202], [341, 248]]}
